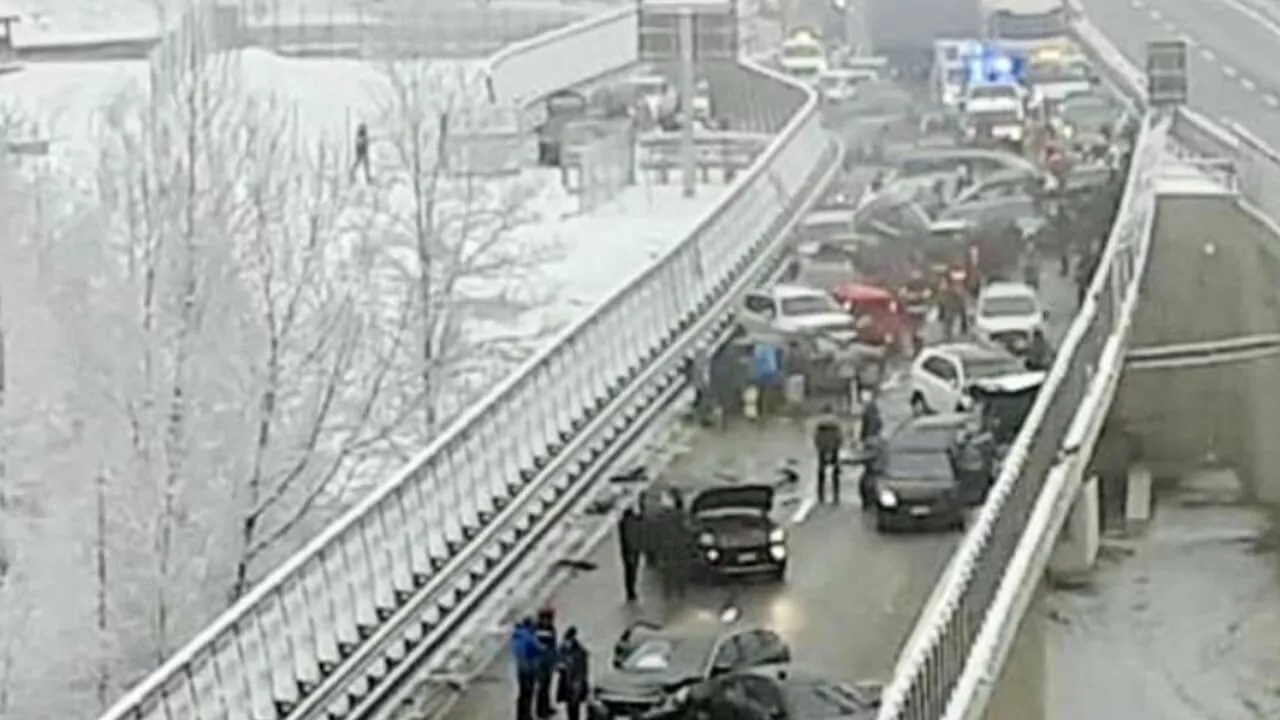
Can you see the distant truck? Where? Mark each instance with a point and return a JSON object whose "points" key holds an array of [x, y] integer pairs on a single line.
{"points": [[904, 31]]}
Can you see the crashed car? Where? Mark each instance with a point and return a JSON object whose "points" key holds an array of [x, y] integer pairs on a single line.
{"points": [[654, 669], [912, 482], [736, 533], [787, 693], [1002, 405]]}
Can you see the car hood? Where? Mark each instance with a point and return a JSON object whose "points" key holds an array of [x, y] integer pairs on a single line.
{"points": [[756, 498], [915, 489], [636, 687], [1013, 323]]}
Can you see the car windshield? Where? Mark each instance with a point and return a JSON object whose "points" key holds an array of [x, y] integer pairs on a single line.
{"points": [[650, 86], [801, 51], [922, 439], [996, 117], [989, 92], [810, 305], [919, 465], [990, 367], [1086, 111], [1056, 72], [663, 655], [1007, 306]]}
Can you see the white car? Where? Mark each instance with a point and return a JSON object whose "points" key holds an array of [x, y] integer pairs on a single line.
{"points": [[796, 310], [803, 56], [941, 375], [1009, 313]]}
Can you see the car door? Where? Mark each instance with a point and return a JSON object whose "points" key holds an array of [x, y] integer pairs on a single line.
{"points": [[758, 312], [943, 379]]}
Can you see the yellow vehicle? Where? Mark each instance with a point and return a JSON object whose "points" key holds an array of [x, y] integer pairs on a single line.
{"points": [[803, 55]]}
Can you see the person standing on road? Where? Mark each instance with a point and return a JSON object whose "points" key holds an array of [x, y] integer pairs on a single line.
{"points": [[827, 439], [544, 629], [575, 675], [362, 153], [631, 541], [527, 654]]}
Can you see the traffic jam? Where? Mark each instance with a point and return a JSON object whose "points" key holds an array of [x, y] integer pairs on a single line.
{"points": [[910, 333]]}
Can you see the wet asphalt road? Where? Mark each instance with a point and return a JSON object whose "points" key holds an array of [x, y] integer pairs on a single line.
{"points": [[851, 595], [1231, 52]]}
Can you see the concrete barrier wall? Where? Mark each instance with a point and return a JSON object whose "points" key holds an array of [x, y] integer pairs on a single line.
{"points": [[575, 54]]}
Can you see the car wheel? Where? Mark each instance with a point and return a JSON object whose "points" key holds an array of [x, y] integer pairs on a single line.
{"points": [[778, 574], [918, 404], [882, 523]]}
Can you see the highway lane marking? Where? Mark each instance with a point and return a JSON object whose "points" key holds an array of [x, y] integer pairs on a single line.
{"points": [[1248, 84], [1136, 4], [1254, 15], [1271, 101], [1229, 71], [807, 504], [1155, 14], [1208, 54], [1168, 25]]}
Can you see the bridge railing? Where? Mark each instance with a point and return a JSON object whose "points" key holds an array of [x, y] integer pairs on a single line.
{"points": [[382, 588], [947, 667]]}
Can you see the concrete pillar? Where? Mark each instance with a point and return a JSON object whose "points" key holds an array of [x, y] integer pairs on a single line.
{"points": [[1019, 693], [1137, 500], [1076, 553]]}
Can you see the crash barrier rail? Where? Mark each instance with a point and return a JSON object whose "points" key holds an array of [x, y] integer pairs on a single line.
{"points": [[954, 656], [661, 154], [373, 597]]}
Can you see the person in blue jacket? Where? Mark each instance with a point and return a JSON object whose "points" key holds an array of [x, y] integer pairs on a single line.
{"points": [[527, 652]]}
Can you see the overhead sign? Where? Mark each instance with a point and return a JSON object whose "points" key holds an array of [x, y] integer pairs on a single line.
{"points": [[715, 31], [1167, 72]]}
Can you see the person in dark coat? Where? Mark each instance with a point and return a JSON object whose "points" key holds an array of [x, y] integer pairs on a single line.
{"points": [[575, 675], [544, 629], [1039, 354], [527, 654], [868, 436], [671, 547], [362, 153], [827, 439], [631, 541]]}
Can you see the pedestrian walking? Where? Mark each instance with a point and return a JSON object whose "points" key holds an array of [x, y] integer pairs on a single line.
{"points": [[362, 153], [575, 675], [631, 542], [544, 630], [827, 439], [527, 654]]}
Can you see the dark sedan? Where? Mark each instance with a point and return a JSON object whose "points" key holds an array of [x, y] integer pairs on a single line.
{"points": [[653, 669], [782, 692], [914, 479], [736, 533]]}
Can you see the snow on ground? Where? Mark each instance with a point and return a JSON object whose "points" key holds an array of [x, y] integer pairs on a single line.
{"points": [[66, 101], [1186, 627], [607, 248]]}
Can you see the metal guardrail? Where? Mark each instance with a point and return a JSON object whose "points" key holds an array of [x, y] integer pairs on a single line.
{"points": [[332, 629], [928, 681]]}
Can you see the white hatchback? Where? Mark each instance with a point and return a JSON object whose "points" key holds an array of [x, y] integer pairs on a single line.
{"points": [[941, 375], [1009, 314]]}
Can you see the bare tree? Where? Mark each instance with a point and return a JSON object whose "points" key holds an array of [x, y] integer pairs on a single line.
{"points": [[322, 366], [457, 248]]}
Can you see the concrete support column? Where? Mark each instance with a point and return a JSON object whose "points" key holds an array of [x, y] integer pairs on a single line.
{"points": [[1076, 552], [1019, 693]]}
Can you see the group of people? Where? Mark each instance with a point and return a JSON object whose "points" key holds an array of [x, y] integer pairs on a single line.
{"points": [[541, 661], [653, 533]]}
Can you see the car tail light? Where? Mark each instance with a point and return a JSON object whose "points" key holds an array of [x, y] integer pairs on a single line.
{"points": [[893, 306]]}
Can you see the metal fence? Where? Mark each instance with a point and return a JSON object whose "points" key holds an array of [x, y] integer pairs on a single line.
{"points": [[385, 587], [930, 670]]}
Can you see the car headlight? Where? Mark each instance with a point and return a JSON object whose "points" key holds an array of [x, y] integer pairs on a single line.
{"points": [[707, 539], [888, 499], [777, 535], [778, 552]]}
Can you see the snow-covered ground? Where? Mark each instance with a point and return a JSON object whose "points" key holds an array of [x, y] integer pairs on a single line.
{"points": [[1182, 624], [606, 248]]}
